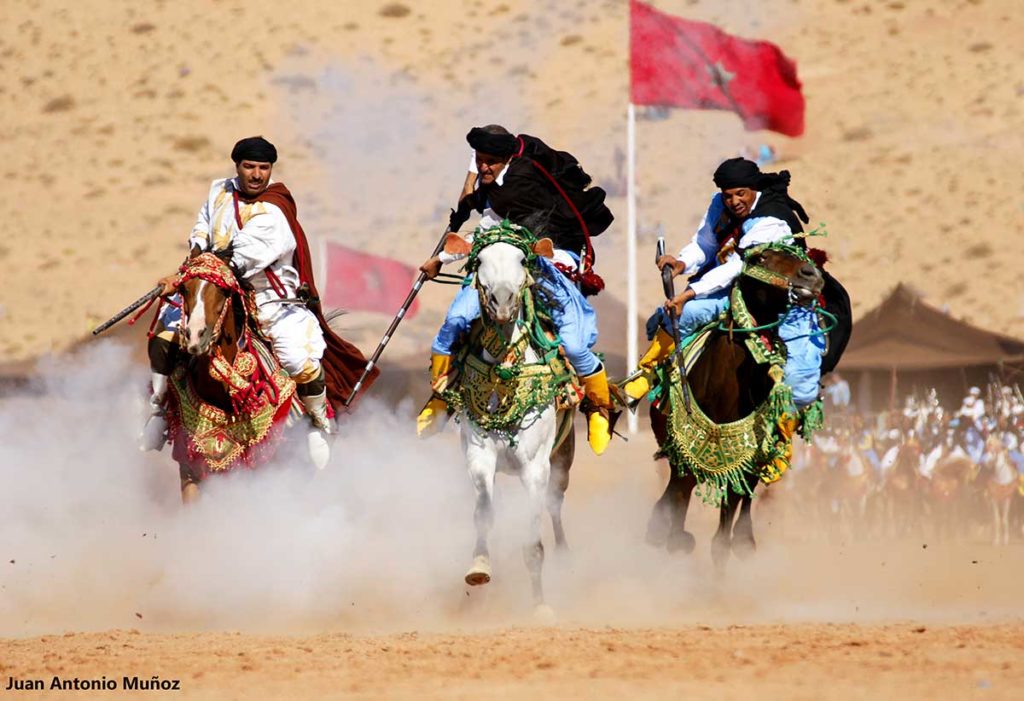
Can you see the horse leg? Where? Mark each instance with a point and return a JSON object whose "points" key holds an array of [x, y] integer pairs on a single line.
{"points": [[680, 539], [535, 476], [743, 543], [996, 524], [482, 467], [561, 461], [1005, 518], [189, 484], [721, 541], [660, 522]]}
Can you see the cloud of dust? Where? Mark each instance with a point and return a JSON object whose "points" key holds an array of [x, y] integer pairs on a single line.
{"points": [[92, 536]]}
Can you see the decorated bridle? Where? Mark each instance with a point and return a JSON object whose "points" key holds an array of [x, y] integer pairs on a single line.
{"points": [[753, 269], [505, 232], [208, 267]]}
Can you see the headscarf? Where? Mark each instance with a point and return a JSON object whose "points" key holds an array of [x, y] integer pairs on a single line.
{"points": [[494, 144], [740, 172], [254, 148]]}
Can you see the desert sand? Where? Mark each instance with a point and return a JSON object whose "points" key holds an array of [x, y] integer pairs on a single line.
{"points": [[117, 115]]}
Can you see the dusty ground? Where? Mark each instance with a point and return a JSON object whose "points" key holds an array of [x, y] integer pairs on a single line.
{"points": [[799, 661]]}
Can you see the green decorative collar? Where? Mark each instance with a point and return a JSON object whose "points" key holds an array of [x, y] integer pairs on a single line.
{"points": [[505, 232], [764, 348]]}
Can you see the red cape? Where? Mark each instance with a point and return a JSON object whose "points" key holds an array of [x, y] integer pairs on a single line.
{"points": [[343, 363]]}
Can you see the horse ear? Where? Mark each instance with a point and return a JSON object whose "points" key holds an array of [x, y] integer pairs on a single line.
{"points": [[456, 245], [195, 252], [544, 248]]}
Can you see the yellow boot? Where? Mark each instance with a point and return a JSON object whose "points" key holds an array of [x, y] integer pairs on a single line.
{"points": [[599, 412], [661, 347], [428, 421]]}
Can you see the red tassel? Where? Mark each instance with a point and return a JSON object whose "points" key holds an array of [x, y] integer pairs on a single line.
{"points": [[819, 256], [591, 283]]}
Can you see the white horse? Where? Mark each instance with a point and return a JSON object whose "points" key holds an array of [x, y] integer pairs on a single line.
{"points": [[502, 278]]}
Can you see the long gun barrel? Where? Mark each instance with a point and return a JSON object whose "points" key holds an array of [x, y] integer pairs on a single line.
{"points": [[144, 299], [394, 324]]}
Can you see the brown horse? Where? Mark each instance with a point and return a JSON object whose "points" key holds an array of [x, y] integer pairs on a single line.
{"points": [[228, 397], [728, 384]]}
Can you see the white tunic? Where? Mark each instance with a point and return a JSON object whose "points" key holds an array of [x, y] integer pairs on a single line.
{"points": [[704, 247]]}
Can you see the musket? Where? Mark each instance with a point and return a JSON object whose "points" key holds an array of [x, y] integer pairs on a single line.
{"points": [[395, 322], [669, 287], [144, 299]]}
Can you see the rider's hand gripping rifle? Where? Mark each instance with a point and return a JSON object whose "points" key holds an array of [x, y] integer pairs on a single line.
{"points": [[669, 287]]}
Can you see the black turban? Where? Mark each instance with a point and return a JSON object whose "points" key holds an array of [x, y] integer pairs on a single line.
{"points": [[494, 144], [256, 149], [738, 172]]}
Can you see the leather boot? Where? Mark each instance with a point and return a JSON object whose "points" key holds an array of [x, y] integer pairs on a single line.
{"points": [[154, 433], [599, 410], [661, 347], [434, 415], [319, 447]]}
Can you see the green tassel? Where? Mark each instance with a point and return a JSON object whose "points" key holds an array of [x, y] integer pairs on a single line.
{"points": [[812, 419]]}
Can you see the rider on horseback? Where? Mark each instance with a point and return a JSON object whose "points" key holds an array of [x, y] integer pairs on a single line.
{"points": [[525, 181], [753, 208], [251, 222]]}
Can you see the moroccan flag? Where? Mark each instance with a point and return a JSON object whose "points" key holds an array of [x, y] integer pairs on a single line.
{"points": [[358, 281], [678, 63]]}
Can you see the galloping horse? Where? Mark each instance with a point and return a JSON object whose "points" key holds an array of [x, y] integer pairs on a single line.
{"points": [[718, 425], [228, 397], [513, 392]]}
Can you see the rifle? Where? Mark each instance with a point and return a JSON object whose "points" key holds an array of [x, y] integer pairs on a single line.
{"points": [[144, 299], [669, 287], [395, 322]]}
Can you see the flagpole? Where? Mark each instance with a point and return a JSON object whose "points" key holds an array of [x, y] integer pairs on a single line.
{"points": [[631, 295]]}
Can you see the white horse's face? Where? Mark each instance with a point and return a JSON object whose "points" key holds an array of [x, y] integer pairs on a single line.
{"points": [[501, 277]]}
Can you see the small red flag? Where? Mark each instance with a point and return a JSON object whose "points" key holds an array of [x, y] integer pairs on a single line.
{"points": [[678, 63], [358, 281]]}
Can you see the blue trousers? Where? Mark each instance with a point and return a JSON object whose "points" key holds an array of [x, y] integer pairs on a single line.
{"points": [[574, 318], [803, 359]]}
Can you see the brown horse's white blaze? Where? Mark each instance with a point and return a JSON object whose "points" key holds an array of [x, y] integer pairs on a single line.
{"points": [[203, 305]]}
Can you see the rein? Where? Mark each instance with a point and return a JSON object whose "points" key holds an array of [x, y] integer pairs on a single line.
{"points": [[247, 378]]}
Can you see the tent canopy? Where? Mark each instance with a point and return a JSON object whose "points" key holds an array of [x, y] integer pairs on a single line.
{"points": [[905, 333]]}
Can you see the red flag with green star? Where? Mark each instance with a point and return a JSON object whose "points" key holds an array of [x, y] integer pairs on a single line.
{"points": [[678, 63]]}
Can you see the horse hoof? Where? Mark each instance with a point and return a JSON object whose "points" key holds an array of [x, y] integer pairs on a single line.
{"points": [[544, 615], [681, 541], [744, 547], [657, 532], [480, 572]]}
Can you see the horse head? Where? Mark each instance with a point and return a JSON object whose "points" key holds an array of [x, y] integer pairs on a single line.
{"points": [[501, 257], [207, 287], [776, 275]]}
